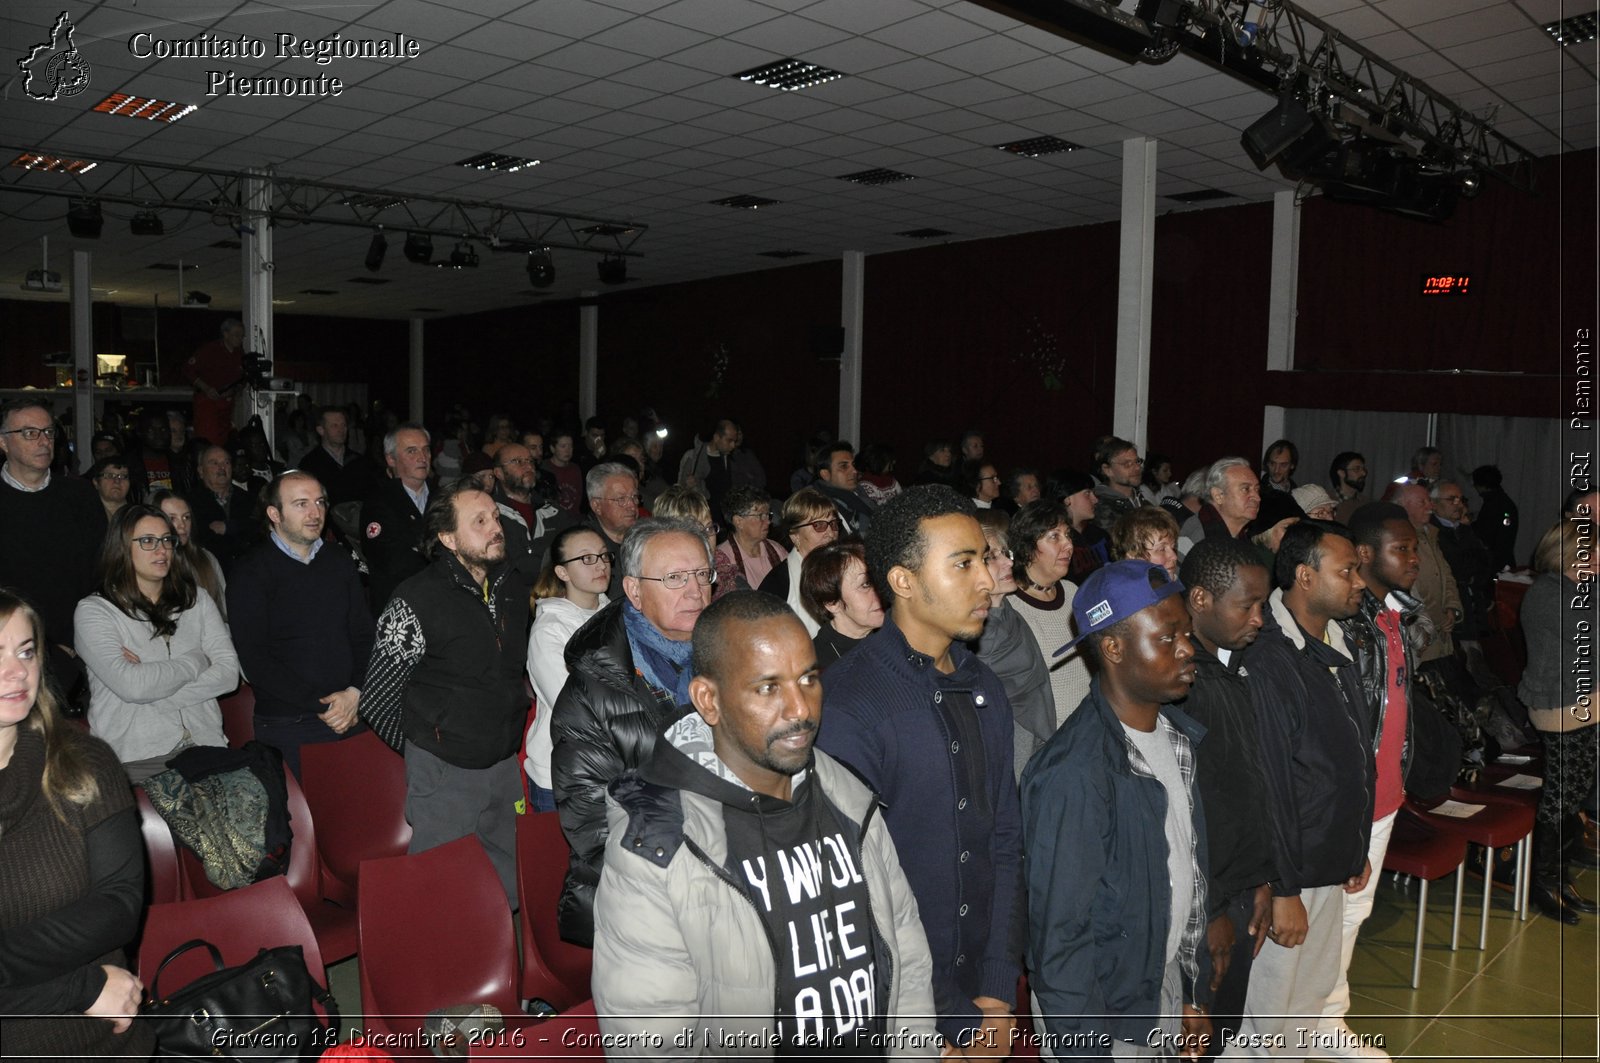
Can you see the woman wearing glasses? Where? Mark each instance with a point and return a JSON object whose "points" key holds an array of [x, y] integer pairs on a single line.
{"points": [[748, 555], [157, 651], [812, 522], [1008, 648], [1040, 538], [570, 590]]}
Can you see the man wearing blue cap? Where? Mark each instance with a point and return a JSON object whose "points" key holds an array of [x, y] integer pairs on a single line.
{"points": [[1115, 836]]}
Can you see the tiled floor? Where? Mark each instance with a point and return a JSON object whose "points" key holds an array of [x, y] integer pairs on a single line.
{"points": [[1533, 994]]}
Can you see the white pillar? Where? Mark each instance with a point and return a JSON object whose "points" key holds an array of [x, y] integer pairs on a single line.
{"points": [[1282, 302], [852, 304], [1130, 417], [82, 361], [255, 265], [416, 371], [588, 355], [1273, 427]]}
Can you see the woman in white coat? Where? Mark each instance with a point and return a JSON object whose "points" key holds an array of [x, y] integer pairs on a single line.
{"points": [[157, 650]]}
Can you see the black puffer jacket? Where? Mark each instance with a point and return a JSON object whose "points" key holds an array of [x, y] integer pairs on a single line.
{"points": [[605, 722]]}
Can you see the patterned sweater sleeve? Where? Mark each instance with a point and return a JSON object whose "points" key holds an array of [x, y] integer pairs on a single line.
{"points": [[396, 651]]}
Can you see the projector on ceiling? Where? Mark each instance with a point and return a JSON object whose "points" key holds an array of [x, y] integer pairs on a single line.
{"points": [[42, 280]]}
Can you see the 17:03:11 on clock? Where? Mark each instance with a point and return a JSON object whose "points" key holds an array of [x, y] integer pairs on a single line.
{"points": [[1446, 285]]}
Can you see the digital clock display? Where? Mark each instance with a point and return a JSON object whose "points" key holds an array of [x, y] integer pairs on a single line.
{"points": [[1446, 285]]}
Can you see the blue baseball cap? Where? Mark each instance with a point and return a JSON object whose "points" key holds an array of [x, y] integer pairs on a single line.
{"points": [[1115, 592]]}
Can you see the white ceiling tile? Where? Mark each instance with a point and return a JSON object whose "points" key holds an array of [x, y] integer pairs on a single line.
{"points": [[929, 32], [623, 124], [570, 18], [527, 78], [1495, 49], [648, 37], [1039, 74], [858, 56], [988, 54], [413, 82], [723, 57], [515, 42], [790, 35], [1416, 12], [1019, 109], [901, 107], [914, 74], [673, 108], [660, 77], [1474, 26], [969, 91], [428, 21], [714, 16]]}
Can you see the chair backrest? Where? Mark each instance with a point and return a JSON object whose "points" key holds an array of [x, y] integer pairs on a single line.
{"points": [[164, 882], [239, 923], [356, 791], [434, 930], [553, 970], [305, 868], [239, 716], [552, 1037]]}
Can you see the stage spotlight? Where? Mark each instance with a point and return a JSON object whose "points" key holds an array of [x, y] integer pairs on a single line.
{"points": [[613, 269], [1471, 184], [376, 250], [541, 268], [84, 219], [147, 223], [419, 248]]}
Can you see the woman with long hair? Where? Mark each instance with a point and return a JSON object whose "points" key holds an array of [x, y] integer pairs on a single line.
{"points": [[1558, 620], [157, 651], [1040, 540], [836, 591], [71, 869], [571, 589], [744, 560], [203, 564]]}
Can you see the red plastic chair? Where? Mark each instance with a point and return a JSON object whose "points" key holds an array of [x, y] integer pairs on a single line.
{"points": [[573, 1033], [1498, 823], [164, 881], [239, 716], [334, 926], [553, 970], [435, 930], [356, 790], [239, 923], [1426, 854]]}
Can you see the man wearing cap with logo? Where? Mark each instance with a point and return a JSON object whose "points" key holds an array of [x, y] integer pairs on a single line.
{"points": [[1116, 839]]}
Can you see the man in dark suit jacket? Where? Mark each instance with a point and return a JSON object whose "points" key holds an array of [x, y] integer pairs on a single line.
{"points": [[349, 475], [391, 517], [225, 512]]}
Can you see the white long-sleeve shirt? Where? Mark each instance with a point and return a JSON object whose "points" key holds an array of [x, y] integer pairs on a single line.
{"points": [[554, 622], [141, 710]]}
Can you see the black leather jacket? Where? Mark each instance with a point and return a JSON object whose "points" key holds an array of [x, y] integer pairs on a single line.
{"points": [[1372, 658], [606, 720]]}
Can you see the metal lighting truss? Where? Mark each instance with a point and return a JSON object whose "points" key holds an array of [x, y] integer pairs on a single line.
{"points": [[224, 194], [1289, 44]]}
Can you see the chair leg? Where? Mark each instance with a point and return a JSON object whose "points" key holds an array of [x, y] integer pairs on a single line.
{"points": [[1527, 874], [1488, 895], [1455, 919], [1416, 952]]}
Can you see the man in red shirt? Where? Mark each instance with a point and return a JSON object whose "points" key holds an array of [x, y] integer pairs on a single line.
{"points": [[1386, 546], [215, 372]]}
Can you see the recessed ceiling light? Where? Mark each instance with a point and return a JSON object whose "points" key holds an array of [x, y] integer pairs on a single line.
{"points": [[877, 177], [606, 229], [1202, 196], [29, 160], [925, 234], [789, 75], [368, 280], [785, 253], [283, 302], [1037, 146], [1575, 29], [143, 107], [499, 163], [745, 202]]}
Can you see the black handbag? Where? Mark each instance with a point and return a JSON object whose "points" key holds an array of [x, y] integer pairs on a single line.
{"points": [[258, 1010]]}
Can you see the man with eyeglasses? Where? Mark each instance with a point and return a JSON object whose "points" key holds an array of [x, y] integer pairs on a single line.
{"points": [[1122, 470], [51, 528], [628, 675], [300, 622], [613, 492], [110, 479], [530, 522]]}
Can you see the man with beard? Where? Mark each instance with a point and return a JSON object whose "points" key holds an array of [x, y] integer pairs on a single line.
{"points": [[1116, 836], [1227, 586], [528, 520], [444, 685], [1347, 474], [1122, 470], [735, 774], [300, 623], [1316, 754], [927, 725]]}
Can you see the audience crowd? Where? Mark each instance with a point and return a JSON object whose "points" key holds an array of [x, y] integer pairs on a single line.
{"points": [[838, 760]]}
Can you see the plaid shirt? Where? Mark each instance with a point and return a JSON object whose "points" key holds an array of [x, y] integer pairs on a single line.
{"points": [[1194, 930]]}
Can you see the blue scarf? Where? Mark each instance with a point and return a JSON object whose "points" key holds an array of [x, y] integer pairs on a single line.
{"points": [[663, 662]]}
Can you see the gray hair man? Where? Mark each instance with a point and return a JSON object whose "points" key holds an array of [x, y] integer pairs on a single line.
{"points": [[391, 516], [629, 672], [613, 493], [1231, 500]]}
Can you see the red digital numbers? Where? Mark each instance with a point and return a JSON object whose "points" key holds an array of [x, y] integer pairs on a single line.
{"points": [[1446, 285]]}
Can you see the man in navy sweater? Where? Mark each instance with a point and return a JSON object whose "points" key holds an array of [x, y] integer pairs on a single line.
{"points": [[300, 622], [927, 725]]}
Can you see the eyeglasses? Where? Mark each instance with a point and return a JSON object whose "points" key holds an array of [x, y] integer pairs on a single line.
{"points": [[517, 461], [116, 477], [30, 433], [1128, 463], [622, 500], [756, 514], [819, 526], [604, 558], [986, 479], [676, 581], [147, 543]]}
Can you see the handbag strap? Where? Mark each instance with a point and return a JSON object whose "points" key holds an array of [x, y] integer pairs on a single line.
{"points": [[330, 1006], [216, 961]]}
